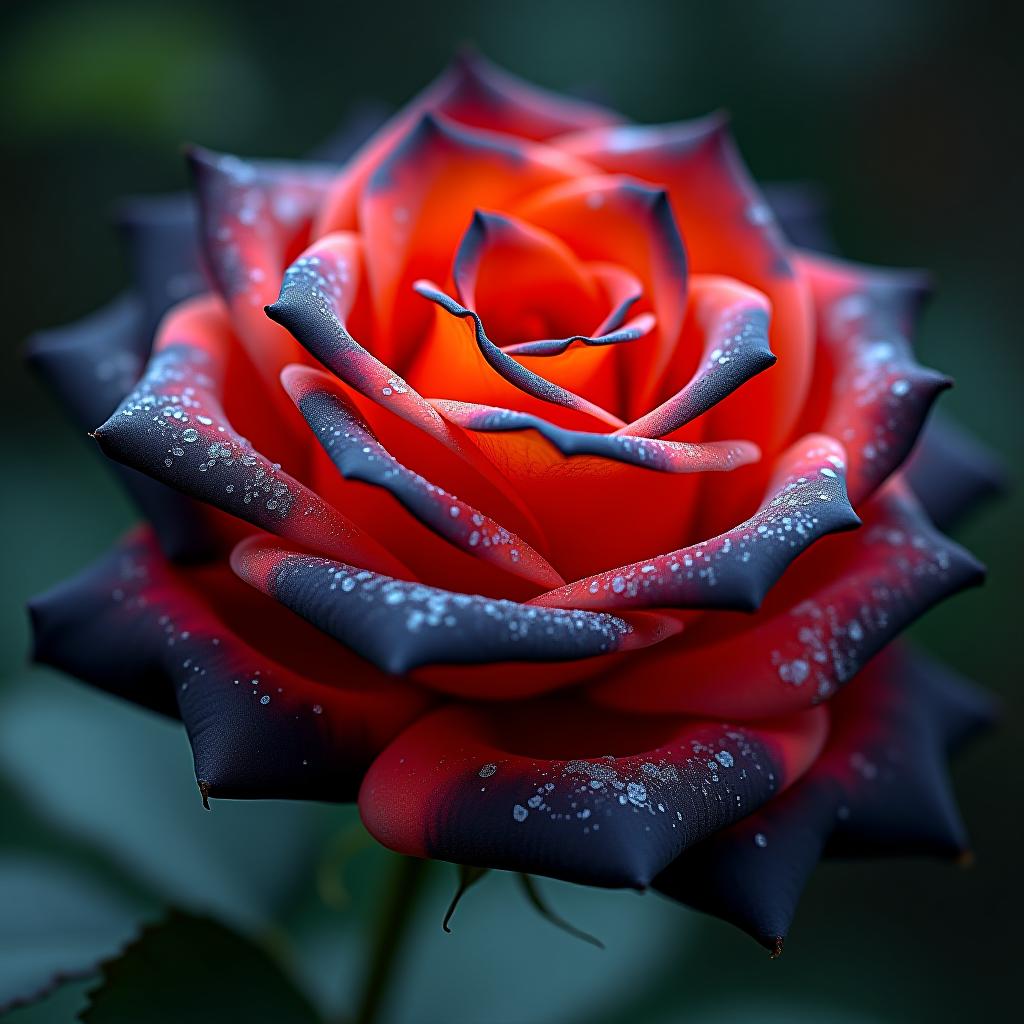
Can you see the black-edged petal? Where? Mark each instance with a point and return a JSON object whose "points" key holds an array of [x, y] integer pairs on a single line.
{"points": [[844, 602], [556, 788], [259, 727], [358, 455], [173, 428], [952, 472], [801, 208], [879, 789], [732, 323], [735, 570], [90, 366], [876, 395], [161, 239], [400, 626], [649, 453], [507, 368]]}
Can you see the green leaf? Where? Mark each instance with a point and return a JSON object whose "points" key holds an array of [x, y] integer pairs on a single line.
{"points": [[121, 780], [192, 969], [56, 922]]}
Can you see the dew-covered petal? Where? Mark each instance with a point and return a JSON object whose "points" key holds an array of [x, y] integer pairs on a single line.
{"points": [[90, 366], [317, 295], [729, 323], [358, 455], [255, 215], [728, 229], [952, 472], [805, 501], [880, 788], [172, 427], [871, 392], [843, 603], [663, 456], [400, 626], [196, 644], [561, 789]]}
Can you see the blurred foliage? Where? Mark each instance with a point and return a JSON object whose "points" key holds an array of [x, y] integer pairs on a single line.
{"points": [[907, 112]]}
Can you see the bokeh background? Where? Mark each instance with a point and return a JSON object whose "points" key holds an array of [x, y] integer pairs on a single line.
{"points": [[907, 112]]}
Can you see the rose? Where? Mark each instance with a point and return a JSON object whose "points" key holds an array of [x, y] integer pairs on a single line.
{"points": [[656, 414]]}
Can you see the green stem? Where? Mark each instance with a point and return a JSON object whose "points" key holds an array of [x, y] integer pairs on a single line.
{"points": [[404, 889]]}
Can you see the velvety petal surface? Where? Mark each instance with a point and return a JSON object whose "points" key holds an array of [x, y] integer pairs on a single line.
{"points": [[806, 500], [840, 605], [173, 427], [568, 791], [880, 788], [270, 710]]}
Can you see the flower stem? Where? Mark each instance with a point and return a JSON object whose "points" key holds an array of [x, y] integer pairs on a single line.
{"points": [[403, 892]]}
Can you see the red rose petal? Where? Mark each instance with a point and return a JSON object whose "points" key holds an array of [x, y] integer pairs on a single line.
{"points": [[258, 727], [880, 788], [611, 219], [728, 323], [805, 501], [557, 788], [401, 626], [358, 455], [416, 204], [472, 363], [173, 427], [728, 229], [847, 599], [875, 395], [255, 216]]}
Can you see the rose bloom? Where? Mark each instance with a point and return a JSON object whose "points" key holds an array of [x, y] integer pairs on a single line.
{"points": [[517, 477]]}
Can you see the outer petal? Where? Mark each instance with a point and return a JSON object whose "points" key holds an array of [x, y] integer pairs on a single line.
{"points": [[172, 427], [526, 788], [806, 500], [258, 729], [476, 92], [801, 208], [161, 236], [876, 395], [879, 788], [90, 366], [256, 217], [834, 611], [952, 472], [473, 92], [400, 626]]}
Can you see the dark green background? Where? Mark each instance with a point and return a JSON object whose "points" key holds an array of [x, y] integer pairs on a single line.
{"points": [[908, 112]]}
